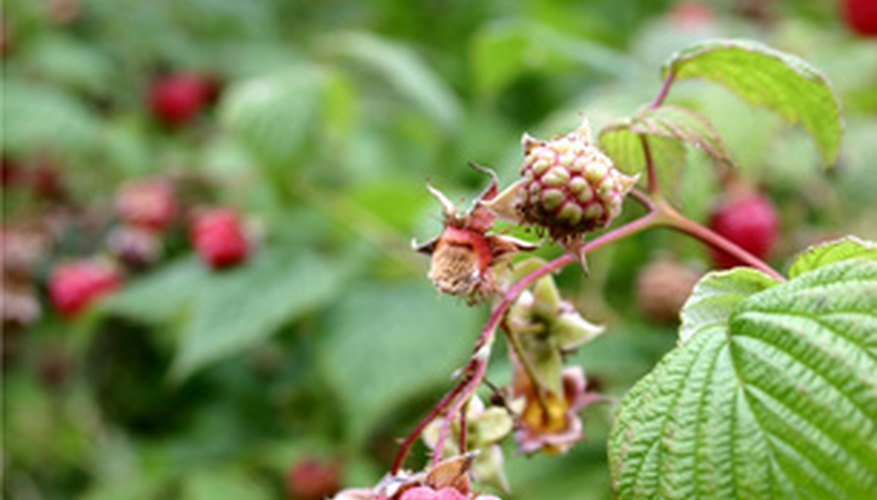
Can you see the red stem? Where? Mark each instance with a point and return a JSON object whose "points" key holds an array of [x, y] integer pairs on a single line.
{"points": [[415, 434], [676, 221], [651, 173], [665, 89], [478, 364]]}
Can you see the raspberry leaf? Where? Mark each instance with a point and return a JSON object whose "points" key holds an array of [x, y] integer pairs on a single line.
{"points": [[716, 296], [246, 305], [402, 69], [763, 76], [825, 254], [273, 115], [388, 343], [774, 396], [685, 125]]}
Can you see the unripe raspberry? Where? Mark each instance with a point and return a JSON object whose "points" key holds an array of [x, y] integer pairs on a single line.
{"points": [[313, 480], [569, 186], [73, 286], [662, 289], [219, 238], [747, 219], [149, 203]]}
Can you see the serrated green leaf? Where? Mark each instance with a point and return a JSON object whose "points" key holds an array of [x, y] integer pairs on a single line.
{"points": [[623, 144], [274, 115], [685, 125], [766, 77], [777, 401], [828, 253], [401, 68], [391, 342], [716, 296], [245, 305]]}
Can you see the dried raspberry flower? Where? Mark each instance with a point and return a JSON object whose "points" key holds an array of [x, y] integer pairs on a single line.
{"points": [[462, 256]]}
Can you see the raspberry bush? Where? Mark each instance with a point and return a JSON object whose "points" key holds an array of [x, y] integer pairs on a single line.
{"points": [[640, 287]]}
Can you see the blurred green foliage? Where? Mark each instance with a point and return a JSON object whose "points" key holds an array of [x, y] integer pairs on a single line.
{"points": [[329, 342]]}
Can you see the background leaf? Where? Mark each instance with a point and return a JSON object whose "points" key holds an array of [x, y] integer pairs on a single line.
{"points": [[247, 304], [401, 68], [273, 115], [389, 343], [766, 77], [776, 401]]}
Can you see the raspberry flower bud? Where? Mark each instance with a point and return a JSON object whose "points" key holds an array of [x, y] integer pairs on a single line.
{"points": [[569, 187]]}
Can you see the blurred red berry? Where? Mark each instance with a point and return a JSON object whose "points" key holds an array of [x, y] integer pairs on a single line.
{"points": [[313, 480], [74, 286], [662, 288], [861, 16], [218, 237], [691, 16], [747, 219], [178, 98], [150, 204]]}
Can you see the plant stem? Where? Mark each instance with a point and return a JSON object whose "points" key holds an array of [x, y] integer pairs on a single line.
{"points": [[474, 371], [665, 89], [670, 218], [651, 173], [528, 368]]}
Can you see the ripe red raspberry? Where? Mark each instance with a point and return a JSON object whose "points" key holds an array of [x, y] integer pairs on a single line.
{"points": [[178, 98], [73, 286], [662, 289], [569, 186], [219, 238], [861, 16], [313, 479], [148, 203], [747, 219]]}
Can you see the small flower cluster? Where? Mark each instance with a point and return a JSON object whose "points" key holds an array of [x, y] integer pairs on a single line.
{"points": [[567, 188]]}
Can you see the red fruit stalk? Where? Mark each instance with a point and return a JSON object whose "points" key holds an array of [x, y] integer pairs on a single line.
{"points": [[76, 285], [750, 221], [218, 237]]}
